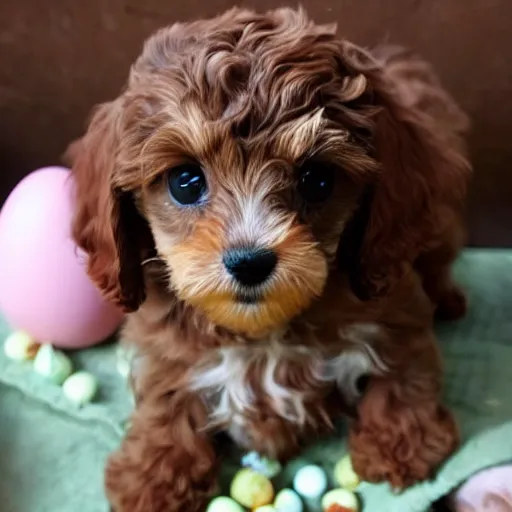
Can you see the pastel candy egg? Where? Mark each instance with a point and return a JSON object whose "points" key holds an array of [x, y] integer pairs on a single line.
{"points": [[345, 475], [252, 489], [80, 387], [266, 508], [310, 482], [338, 508], [224, 504], [288, 501], [20, 346], [340, 500], [267, 467], [52, 364]]}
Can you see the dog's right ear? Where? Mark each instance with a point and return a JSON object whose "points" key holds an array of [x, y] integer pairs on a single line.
{"points": [[418, 138], [106, 224]]}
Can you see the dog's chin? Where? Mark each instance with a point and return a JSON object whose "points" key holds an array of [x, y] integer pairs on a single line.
{"points": [[254, 314], [248, 316]]}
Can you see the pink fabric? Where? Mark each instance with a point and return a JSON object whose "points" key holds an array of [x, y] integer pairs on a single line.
{"points": [[488, 491]]}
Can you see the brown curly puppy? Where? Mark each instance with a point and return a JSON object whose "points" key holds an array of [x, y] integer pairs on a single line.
{"points": [[277, 209]]}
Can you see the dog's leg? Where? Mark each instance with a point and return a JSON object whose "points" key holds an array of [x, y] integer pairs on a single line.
{"points": [[403, 432], [435, 267], [167, 462], [448, 298]]}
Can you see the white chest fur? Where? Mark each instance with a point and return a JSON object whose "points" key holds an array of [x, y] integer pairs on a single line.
{"points": [[233, 378]]}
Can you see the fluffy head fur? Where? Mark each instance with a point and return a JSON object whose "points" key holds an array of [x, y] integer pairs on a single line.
{"points": [[252, 99]]}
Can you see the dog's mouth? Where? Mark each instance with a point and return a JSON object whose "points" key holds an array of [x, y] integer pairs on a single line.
{"points": [[249, 297], [253, 311]]}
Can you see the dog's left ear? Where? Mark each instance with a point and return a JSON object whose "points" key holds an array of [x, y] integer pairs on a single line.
{"points": [[106, 224], [417, 139]]}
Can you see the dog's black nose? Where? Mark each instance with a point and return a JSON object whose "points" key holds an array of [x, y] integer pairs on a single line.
{"points": [[250, 266]]}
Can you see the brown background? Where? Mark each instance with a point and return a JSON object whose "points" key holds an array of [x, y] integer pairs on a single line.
{"points": [[60, 57]]}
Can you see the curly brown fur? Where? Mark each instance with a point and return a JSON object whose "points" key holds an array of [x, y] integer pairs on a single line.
{"points": [[257, 102]]}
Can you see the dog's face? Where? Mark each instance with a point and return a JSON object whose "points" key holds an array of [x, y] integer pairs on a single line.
{"points": [[245, 144], [249, 228], [254, 181]]}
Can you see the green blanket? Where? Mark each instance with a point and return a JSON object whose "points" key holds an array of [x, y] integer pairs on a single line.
{"points": [[52, 453]]}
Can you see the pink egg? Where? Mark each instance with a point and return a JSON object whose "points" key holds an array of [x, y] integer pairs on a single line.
{"points": [[44, 288]]}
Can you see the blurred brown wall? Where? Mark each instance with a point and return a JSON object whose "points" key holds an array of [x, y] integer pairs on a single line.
{"points": [[60, 57]]}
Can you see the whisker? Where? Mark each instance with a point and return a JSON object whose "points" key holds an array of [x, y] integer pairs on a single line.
{"points": [[155, 259], [158, 272]]}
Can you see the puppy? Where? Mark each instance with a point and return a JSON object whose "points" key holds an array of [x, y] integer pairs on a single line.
{"points": [[277, 210]]}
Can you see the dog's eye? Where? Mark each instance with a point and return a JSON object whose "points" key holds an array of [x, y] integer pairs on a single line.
{"points": [[316, 182], [187, 184]]}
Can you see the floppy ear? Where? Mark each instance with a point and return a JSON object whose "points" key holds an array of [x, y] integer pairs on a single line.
{"points": [[107, 225], [417, 139]]}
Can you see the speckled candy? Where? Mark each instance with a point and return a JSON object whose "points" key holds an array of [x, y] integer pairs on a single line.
{"points": [[80, 387], [342, 498], [288, 501], [20, 346], [252, 489], [310, 482], [224, 504], [52, 364], [267, 467], [345, 475]]}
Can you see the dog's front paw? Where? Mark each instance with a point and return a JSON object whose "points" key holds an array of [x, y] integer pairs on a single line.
{"points": [[153, 485], [402, 443]]}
